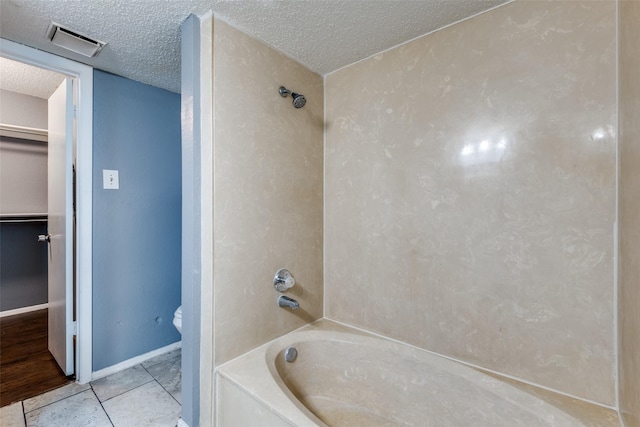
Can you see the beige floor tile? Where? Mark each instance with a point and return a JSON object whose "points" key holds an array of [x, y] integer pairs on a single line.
{"points": [[12, 416], [146, 406], [120, 382], [162, 358], [80, 410], [54, 396], [168, 374]]}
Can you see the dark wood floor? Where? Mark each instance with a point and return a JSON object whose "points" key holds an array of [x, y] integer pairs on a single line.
{"points": [[27, 368]]}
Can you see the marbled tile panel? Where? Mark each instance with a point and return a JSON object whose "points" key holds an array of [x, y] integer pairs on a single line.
{"points": [[268, 183], [629, 213], [470, 193]]}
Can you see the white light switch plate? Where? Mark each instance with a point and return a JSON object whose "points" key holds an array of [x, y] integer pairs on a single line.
{"points": [[110, 179]]}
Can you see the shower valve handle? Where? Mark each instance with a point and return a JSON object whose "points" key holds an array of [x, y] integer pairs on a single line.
{"points": [[283, 280]]}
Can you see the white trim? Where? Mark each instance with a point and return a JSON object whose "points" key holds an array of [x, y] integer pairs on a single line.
{"points": [[126, 364], [324, 198], [207, 327], [181, 423], [23, 310], [84, 173], [616, 236]]}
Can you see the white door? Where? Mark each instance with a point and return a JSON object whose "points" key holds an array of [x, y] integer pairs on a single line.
{"points": [[60, 204]]}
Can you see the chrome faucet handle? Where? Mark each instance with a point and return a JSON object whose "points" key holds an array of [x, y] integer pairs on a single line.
{"points": [[283, 280]]}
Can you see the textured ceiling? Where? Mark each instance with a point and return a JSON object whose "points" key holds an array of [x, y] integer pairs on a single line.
{"points": [[143, 36], [23, 78]]}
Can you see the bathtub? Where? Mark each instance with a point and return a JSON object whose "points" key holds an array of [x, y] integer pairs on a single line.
{"points": [[345, 377]]}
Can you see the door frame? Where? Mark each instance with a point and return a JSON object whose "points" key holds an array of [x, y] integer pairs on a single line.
{"points": [[84, 189]]}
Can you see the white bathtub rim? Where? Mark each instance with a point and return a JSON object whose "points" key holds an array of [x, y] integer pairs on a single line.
{"points": [[520, 399], [260, 401], [267, 387], [272, 396]]}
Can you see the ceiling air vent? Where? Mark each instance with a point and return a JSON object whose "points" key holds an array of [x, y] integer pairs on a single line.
{"points": [[73, 40]]}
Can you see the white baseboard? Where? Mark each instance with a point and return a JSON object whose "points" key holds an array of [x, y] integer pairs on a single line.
{"points": [[181, 423], [134, 361], [23, 310]]}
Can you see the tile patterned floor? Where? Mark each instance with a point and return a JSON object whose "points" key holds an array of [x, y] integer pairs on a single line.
{"points": [[145, 395]]}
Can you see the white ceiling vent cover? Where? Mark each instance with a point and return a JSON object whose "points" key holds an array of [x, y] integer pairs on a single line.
{"points": [[73, 40]]}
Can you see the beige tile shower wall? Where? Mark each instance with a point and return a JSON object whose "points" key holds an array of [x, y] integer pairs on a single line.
{"points": [[267, 192], [629, 213], [470, 193]]}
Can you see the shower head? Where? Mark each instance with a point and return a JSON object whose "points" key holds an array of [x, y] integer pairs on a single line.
{"points": [[298, 99]]}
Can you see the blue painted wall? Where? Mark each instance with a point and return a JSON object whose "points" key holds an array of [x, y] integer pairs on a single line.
{"points": [[136, 229]]}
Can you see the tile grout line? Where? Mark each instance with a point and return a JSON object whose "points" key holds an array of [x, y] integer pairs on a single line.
{"points": [[101, 405], [126, 391], [91, 387], [163, 387], [25, 412]]}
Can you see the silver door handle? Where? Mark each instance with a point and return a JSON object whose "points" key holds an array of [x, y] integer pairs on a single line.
{"points": [[44, 237]]}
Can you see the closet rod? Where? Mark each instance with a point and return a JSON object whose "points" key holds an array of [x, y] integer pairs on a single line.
{"points": [[8, 221], [17, 218], [24, 132]]}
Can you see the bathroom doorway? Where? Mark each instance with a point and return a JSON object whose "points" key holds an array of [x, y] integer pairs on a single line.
{"points": [[36, 220], [76, 324], [32, 126]]}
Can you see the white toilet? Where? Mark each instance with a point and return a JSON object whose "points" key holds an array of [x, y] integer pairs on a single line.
{"points": [[177, 319]]}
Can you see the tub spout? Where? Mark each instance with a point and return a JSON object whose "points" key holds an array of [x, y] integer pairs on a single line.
{"points": [[284, 301]]}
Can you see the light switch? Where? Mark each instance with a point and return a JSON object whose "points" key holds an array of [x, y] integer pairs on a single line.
{"points": [[110, 179]]}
